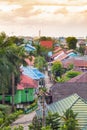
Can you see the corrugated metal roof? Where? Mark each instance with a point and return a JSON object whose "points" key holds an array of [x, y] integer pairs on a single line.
{"points": [[32, 72], [63, 104], [76, 103]]}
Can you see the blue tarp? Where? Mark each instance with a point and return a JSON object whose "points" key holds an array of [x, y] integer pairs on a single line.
{"points": [[34, 73]]}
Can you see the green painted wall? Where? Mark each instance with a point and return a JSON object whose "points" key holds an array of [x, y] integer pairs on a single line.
{"points": [[27, 95], [22, 96]]}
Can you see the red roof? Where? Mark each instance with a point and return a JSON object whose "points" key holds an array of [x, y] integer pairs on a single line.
{"points": [[20, 87], [26, 82], [47, 44]]}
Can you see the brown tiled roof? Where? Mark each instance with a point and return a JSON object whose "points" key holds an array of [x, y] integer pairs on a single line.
{"points": [[80, 78], [62, 90], [76, 62]]}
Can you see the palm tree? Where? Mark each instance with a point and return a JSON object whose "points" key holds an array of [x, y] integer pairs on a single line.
{"points": [[11, 57], [53, 120], [70, 121], [40, 63], [15, 56]]}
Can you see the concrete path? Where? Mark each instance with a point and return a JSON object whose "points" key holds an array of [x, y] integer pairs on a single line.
{"points": [[24, 120]]}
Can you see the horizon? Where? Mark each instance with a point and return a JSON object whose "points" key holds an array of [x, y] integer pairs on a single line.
{"points": [[54, 18]]}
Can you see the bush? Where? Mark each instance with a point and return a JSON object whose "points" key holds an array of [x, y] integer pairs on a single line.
{"points": [[72, 74], [5, 109], [9, 119]]}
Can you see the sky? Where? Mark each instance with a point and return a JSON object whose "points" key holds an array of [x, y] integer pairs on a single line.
{"points": [[50, 17]]}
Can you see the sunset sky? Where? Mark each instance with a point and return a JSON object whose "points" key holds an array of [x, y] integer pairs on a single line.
{"points": [[52, 17]]}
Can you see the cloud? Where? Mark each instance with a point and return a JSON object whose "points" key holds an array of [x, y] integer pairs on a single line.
{"points": [[51, 16]]}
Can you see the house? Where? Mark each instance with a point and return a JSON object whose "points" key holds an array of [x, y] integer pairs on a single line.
{"points": [[82, 78], [25, 90], [47, 44], [60, 54], [80, 63], [75, 102], [62, 90]]}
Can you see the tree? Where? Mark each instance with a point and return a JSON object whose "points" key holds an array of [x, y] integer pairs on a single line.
{"points": [[71, 42], [82, 50], [11, 57], [70, 121], [41, 51], [53, 120], [57, 69], [40, 63], [36, 124], [45, 38]]}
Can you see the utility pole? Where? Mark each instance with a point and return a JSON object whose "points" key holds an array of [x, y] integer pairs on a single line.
{"points": [[13, 82], [42, 102], [43, 110]]}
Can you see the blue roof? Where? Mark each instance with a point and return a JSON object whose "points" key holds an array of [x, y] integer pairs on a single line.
{"points": [[72, 54], [34, 73], [28, 47]]}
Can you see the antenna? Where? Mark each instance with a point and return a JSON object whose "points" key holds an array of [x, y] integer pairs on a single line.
{"points": [[39, 33]]}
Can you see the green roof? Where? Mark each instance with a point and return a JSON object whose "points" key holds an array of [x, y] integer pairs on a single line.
{"points": [[76, 103]]}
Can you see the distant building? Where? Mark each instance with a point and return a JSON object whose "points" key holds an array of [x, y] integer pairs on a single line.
{"points": [[47, 44]]}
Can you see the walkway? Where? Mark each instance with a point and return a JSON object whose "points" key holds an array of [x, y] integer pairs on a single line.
{"points": [[24, 121]]}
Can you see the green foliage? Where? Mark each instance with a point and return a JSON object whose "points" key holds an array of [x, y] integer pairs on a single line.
{"points": [[70, 67], [19, 128], [71, 41], [58, 79], [57, 69], [41, 51], [40, 63], [70, 121], [45, 38], [11, 57], [72, 74], [31, 107], [15, 128], [5, 109], [82, 50], [46, 128], [36, 124], [8, 119], [53, 120]]}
